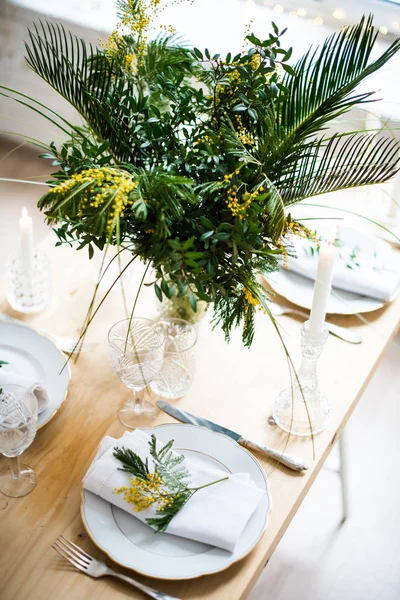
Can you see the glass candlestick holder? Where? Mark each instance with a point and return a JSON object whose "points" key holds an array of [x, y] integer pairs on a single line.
{"points": [[28, 289], [303, 409]]}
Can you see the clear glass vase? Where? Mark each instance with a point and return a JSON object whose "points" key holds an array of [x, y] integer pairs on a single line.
{"points": [[303, 409], [180, 308]]}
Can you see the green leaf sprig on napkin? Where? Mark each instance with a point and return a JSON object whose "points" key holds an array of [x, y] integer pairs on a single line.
{"points": [[166, 487]]}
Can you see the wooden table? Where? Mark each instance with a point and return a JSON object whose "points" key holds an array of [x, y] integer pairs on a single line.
{"points": [[233, 386]]}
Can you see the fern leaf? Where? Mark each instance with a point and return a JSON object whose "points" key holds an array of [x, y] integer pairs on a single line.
{"points": [[132, 463]]}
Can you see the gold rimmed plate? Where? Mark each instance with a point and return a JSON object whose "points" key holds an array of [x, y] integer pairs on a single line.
{"points": [[35, 356], [132, 544]]}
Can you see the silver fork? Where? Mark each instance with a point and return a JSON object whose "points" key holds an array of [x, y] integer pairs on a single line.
{"points": [[82, 561], [344, 334]]}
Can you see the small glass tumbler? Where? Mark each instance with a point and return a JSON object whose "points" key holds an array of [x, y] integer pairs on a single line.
{"points": [[177, 372], [18, 424], [303, 409], [29, 290]]}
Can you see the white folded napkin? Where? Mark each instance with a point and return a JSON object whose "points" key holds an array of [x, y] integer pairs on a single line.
{"points": [[365, 265], [10, 378], [215, 515]]}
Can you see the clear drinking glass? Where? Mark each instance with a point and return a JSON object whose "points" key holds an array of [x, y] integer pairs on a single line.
{"points": [[176, 374], [136, 348], [18, 423]]}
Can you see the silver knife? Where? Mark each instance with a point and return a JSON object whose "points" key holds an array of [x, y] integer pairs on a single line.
{"points": [[289, 461]]}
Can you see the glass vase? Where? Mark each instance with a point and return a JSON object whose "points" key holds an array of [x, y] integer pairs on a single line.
{"points": [[180, 308]]}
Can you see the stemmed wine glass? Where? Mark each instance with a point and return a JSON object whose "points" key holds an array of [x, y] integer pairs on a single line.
{"points": [[18, 423], [137, 349]]}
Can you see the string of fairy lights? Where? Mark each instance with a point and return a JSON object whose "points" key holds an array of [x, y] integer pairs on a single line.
{"points": [[339, 14]]}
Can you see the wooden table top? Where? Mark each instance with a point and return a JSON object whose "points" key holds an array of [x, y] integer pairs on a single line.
{"points": [[233, 386]]}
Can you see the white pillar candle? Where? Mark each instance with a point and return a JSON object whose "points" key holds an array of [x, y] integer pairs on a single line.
{"points": [[26, 239], [322, 288]]}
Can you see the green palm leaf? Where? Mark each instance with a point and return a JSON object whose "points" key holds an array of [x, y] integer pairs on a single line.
{"points": [[167, 51], [275, 209], [326, 79], [341, 162], [61, 59]]}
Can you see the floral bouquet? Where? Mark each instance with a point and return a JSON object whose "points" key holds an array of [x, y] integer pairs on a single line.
{"points": [[190, 160]]}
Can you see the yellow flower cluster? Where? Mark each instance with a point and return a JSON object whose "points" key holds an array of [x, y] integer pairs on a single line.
{"points": [[129, 62], [108, 187], [251, 301], [245, 137], [238, 206], [255, 61], [234, 77], [203, 140], [250, 298], [246, 33], [242, 133], [296, 228], [293, 228], [136, 20], [144, 493]]}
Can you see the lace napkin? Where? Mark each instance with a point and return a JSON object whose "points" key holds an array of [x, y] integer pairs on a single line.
{"points": [[215, 515], [10, 378], [365, 265]]}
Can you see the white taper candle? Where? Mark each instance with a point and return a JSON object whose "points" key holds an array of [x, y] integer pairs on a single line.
{"points": [[322, 288], [26, 239]]}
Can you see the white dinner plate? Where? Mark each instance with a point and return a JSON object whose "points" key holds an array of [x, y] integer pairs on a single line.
{"points": [[33, 355], [133, 544], [300, 290]]}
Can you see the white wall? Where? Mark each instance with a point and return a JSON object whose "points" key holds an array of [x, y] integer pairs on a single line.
{"points": [[216, 24]]}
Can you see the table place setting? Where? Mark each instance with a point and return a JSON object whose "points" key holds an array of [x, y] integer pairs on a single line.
{"points": [[34, 361], [177, 177], [215, 527], [366, 274]]}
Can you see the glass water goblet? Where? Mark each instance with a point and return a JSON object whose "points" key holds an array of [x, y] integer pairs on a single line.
{"points": [[175, 377], [137, 349], [18, 424]]}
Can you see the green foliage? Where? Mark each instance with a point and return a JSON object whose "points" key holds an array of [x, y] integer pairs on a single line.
{"points": [[132, 463], [165, 517], [169, 465], [216, 147], [166, 486]]}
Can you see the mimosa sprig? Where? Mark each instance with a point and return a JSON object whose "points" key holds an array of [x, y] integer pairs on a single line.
{"points": [[166, 487]]}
